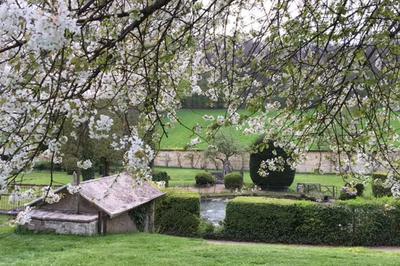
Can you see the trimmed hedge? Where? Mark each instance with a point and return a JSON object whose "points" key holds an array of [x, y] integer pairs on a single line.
{"points": [[161, 176], [352, 222], [377, 185], [205, 178], [233, 181], [178, 213]]}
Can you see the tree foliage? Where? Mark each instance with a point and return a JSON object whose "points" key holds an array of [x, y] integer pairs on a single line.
{"points": [[223, 147], [306, 72]]}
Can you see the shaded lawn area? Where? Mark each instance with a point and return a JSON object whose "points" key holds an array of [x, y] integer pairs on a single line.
{"points": [[154, 249]]}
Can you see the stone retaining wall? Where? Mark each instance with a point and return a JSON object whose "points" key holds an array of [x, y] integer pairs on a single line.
{"points": [[195, 159], [63, 227]]}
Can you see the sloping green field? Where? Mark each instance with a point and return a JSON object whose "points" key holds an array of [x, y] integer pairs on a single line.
{"points": [[179, 136]]}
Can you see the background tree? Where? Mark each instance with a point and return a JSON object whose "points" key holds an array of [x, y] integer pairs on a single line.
{"points": [[223, 148], [80, 147]]}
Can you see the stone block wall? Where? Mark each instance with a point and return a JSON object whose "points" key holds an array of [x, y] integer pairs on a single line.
{"points": [[196, 159], [63, 227]]}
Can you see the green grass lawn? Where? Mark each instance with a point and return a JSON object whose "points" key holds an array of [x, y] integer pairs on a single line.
{"points": [[35, 178], [4, 221], [154, 249], [179, 136], [179, 177], [185, 177], [43, 178]]}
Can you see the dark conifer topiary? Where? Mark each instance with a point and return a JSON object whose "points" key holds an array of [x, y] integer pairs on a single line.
{"points": [[275, 180]]}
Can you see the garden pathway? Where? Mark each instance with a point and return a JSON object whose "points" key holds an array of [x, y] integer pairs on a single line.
{"points": [[225, 242]]}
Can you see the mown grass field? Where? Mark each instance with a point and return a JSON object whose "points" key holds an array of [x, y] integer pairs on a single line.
{"points": [[155, 249], [179, 177], [179, 136]]}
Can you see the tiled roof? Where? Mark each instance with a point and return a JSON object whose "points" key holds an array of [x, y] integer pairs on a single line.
{"points": [[115, 194], [118, 193]]}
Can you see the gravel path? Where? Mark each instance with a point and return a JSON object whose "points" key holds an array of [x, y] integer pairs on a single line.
{"points": [[223, 242]]}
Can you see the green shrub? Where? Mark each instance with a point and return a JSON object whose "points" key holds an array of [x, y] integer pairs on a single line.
{"points": [[161, 176], [88, 174], [45, 165], [348, 192], [206, 228], [233, 181], [204, 178], [377, 185], [275, 180], [178, 213], [352, 222], [360, 189]]}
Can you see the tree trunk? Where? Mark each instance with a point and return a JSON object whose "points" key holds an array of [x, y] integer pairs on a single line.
{"points": [[105, 171], [227, 167]]}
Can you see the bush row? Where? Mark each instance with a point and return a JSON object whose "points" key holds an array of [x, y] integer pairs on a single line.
{"points": [[378, 188], [204, 178], [178, 213], [233, 181], [353, 222], [161, 176]]}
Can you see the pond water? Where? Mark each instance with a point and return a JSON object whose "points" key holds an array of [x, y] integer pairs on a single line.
{"points": [[213, 210]]}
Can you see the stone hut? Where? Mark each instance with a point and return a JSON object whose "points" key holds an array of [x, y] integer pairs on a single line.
{"points": [[113, 204]]}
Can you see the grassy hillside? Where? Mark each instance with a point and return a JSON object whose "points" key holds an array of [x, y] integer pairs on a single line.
{"points": [[179, 136], [155, 249]]}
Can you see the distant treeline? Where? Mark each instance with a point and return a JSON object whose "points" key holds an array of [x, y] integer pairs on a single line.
{"points": [[201, 102]]}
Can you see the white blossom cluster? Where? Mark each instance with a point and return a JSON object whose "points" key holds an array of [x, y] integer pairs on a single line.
{"points": [[220, 120], [138, 157], [208, 117], [44, 30], [86, 164], [351, 191], [160, 184], [24, 217], [73, 189], [49, 195], [255, 125], [101, 127], [18, 195], [395, 189], [194, 142], [276, 164]]}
